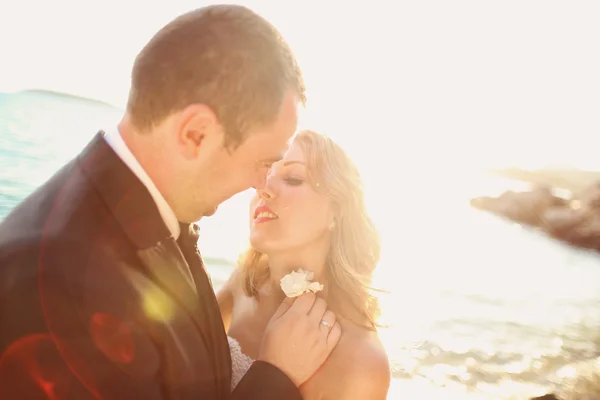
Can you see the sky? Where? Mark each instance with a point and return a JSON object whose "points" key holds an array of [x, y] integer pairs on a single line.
{"points": [[402, 86]]}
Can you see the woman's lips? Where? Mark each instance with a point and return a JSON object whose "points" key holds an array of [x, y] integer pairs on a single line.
{"points": [[263, 214]]}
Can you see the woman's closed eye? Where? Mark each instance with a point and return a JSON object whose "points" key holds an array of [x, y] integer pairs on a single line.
{"points": [[293, 181]]}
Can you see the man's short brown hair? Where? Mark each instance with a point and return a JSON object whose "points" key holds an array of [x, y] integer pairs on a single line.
{"points": [[224, 56]]}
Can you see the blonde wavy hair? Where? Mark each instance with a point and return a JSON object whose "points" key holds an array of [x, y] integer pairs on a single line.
{"points": [[355, 242]]}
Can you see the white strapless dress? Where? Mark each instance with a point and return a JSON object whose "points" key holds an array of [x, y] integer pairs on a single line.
{"points": [[240, 363]]}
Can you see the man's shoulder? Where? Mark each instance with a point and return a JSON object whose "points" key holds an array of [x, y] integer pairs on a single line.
{"points": [[23, 226], [65, 211]]}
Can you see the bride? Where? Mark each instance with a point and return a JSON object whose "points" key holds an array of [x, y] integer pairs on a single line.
{"points": [[311, 215]]}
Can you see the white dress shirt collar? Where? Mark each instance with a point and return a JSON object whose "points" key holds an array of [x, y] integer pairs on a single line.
{"points": [[116, 142]]}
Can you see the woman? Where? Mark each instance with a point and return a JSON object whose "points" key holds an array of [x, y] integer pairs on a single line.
{"points": [[311, 215]]}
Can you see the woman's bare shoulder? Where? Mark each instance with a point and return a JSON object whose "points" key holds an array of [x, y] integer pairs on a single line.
{"points": [[227, 295], [364, 352], [233, 284], [359, 365]]}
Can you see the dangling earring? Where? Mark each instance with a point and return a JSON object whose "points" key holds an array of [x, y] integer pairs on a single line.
{"points": [[332, 225]]}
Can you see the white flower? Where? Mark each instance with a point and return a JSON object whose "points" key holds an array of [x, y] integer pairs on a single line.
{"points": [[298, 282]]}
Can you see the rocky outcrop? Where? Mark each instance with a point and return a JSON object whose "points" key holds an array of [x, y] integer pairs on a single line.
{"points": [[575, 221]]}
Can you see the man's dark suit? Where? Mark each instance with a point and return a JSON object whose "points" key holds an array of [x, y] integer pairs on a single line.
{"points": [[97, 300]]}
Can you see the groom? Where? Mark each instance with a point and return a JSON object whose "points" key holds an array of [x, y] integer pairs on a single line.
{"points": [[103, 293]]}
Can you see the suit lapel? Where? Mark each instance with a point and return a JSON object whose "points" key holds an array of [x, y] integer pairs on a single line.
{"points": [[218, 338], [220, 343], [183, 278], [167, 266]]}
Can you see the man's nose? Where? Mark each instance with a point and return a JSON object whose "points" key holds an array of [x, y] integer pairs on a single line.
{"points": [[260, 182]]}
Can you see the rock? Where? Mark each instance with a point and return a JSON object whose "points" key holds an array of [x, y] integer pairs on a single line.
{"points": [[576, 221], [522, 207], [589, 198], [549, 396], [561, 222]]}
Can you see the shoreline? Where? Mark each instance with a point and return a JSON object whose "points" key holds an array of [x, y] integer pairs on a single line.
{"points": [[58, 94]]}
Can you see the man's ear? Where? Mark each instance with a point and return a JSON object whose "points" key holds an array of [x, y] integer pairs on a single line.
{"points": [[198, 129]]}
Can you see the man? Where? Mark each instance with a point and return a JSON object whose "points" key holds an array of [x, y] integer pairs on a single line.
{"points": [[102, 291]]}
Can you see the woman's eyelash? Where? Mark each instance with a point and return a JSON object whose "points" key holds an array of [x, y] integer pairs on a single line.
{"points": [[293, 181]]}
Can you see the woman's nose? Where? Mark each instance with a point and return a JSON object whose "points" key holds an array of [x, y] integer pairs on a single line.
{"points": [[266, 193]]}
